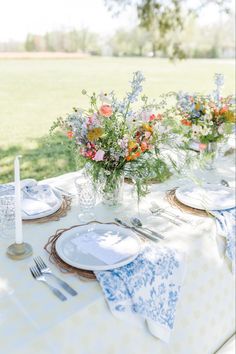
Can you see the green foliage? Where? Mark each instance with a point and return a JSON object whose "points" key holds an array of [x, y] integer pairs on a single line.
{"points": [[47, 158], [81, 40], [165, 20]]}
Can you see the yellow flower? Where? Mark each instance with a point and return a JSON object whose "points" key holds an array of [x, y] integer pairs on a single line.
{"points": [[132, 145], [94, 134], [147, 127], [230, 116], [197, 106]]}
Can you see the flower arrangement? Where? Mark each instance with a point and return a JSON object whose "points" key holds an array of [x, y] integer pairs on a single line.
{"points": [[113, 134], [204, 119]]}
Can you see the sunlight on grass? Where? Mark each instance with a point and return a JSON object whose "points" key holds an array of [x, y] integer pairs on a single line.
{"points": [[33, 93]]}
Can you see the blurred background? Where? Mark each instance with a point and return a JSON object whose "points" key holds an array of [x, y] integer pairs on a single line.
{"points": [[52, 49]]}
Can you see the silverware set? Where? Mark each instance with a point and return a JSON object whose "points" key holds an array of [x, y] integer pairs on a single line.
{"points": [[42, 272], [137, 226], [172, 217], [142, 233]]}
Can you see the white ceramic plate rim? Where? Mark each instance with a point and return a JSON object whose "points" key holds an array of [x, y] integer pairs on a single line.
{"points": [[67, 234], [179, 193], [48, 212]]}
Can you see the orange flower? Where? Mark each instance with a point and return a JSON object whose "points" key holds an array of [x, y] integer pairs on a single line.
{"points": [[70, 134], [223, 110], [105, 110], [216, 112], [133, 156], [186, 122]]}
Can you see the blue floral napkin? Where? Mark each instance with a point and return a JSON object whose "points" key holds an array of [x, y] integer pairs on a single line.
{"points": [[146, 289], [226, 226]]}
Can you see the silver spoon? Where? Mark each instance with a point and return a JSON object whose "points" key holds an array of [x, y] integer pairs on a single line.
{"points": [[224, 183], [138, 223], [142, 233]]}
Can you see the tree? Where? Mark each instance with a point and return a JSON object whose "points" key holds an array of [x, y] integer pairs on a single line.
{"points": [[165, 20], [133, 42]]}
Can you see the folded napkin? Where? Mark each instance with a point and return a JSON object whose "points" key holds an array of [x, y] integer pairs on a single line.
{"points": [[109, 248], [36, 198], [9, 188], [226, 226], [146, 289], [34, 207]]}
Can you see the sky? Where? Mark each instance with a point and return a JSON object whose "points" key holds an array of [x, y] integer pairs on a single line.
{"points": [[19, 17]]}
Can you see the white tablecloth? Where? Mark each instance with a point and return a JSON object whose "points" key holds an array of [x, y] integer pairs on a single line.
{"points": [[32, 320]]}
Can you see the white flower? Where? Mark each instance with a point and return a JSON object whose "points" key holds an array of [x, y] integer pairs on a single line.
{"points": [[104, 97]]}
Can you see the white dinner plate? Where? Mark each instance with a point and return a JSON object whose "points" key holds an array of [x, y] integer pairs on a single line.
{"points": [[98, 246], [52, 210], [207, 197]]}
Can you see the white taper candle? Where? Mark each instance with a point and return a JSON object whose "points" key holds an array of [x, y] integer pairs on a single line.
{"points": [[18, 219]]}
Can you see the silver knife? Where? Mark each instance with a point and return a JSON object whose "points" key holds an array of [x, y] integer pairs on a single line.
{"points": [[145, 234]]}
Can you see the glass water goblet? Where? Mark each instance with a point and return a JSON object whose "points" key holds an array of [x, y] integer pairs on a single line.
{"points": [[86, 198], [7, 216]]}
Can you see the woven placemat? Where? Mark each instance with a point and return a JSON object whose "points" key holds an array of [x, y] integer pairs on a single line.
{"points": [[60, 213], [170, 196], [50, 247]]}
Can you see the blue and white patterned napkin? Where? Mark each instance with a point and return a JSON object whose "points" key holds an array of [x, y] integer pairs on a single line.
{"points": [[146, 289], [226, 226]]}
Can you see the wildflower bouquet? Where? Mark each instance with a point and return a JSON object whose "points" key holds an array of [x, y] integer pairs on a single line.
{"points": [[112, 134], [204, 119]]}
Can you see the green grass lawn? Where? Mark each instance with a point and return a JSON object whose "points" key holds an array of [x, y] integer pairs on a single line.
{"points": [[33, 93]]}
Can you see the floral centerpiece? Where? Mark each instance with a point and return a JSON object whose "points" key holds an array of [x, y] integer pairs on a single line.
{"points": [[202, 121], [205, 120], [113, 134]]}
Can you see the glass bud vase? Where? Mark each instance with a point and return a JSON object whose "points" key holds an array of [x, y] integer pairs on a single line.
{"points": [[111, 188], [211, 153]]}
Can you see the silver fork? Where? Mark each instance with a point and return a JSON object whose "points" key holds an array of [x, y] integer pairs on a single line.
{"points": [[39, 276], [162, 210], [157, 211], [44, 269]]}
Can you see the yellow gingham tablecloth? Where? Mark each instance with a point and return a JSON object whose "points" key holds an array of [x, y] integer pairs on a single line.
{"points": [[32, 320]]}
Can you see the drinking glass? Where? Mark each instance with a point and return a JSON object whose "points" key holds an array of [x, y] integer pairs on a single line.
{"points": [[7, 216], [86, 198]]}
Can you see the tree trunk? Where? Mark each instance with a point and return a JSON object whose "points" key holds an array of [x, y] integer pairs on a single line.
{"points": [[154, 50]]}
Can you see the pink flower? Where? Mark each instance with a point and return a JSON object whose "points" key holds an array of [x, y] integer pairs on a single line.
{"points": [[152, 117], [202, 146], [105, 110], [92, 119], [147, 135], [89, 154], [99, 155]]}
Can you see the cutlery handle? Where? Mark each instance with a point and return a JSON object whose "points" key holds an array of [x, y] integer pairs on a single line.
{"points": [[145, 234], [57, 292], [154, 233], [176, 216], [170, 219], [65, 286]]}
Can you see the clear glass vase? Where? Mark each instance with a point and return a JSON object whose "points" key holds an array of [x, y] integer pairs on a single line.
{"points": [[111, 186], [211, 153]]}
